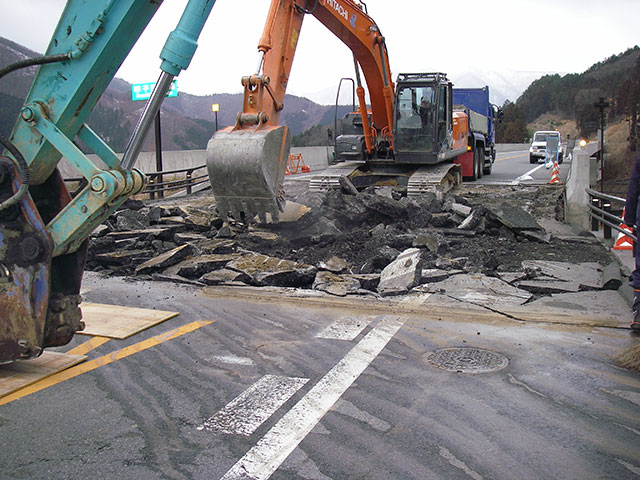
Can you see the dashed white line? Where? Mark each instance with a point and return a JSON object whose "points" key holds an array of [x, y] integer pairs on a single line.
{"points": [[250, 409], [272, 449]]}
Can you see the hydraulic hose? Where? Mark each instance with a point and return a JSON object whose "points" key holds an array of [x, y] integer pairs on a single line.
{"points": [[304, 9], [30, 62], [19, 160]]}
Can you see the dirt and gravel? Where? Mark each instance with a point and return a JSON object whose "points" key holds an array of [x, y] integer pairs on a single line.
{"points": [[352, 237]]}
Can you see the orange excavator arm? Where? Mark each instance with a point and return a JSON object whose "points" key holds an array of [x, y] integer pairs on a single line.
{"points": [[352, 26], [251, 155]]}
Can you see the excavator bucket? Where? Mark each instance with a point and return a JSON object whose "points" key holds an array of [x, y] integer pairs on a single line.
{"points": [[246, 170]]}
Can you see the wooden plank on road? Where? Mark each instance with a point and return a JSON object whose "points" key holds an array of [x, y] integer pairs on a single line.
{"points": [[17, 375], [115, 321]]}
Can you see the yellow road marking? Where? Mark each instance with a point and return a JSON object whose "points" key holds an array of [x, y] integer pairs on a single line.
{"points": [[101, 361], [87, 346], [512, 156]]}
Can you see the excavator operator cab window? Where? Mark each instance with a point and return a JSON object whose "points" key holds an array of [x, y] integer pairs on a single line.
{"points": [[442, 114], [415, 118]]}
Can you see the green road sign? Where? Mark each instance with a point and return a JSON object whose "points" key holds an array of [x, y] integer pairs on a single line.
{"points": [[142, 91]]}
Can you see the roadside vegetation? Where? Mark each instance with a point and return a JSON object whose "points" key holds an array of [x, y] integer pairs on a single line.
{"points": [[567, 103]]}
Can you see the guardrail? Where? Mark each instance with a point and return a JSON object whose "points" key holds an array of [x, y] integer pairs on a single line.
{"points": [[601, 210], [156, 186], [616, 187]]}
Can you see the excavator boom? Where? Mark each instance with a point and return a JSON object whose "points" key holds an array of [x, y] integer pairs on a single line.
{"points": [[247, 162], [43, 231]]}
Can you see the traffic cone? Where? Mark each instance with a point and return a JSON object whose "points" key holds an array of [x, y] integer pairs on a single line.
{"points": [[623, 242], [555, 174]]}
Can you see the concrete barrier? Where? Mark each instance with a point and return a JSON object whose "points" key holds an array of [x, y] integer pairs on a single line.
{"points": [[511, 147], [316, 158], [581, 175]]}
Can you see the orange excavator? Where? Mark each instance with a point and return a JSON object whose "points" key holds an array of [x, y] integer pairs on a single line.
{"points": [[406, 129], [247, 162]]}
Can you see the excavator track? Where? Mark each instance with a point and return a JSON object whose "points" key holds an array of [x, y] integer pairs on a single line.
{"points": [[428, 178], [330, 178], [441, 177]]}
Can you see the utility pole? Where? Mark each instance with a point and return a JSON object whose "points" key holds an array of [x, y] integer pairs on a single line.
{"points": [[601, 105]]}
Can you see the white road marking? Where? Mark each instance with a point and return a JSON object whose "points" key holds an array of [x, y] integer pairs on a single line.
{"points": [[515, 381], [267, 455], [349, 409], [233, 360], [628, 395], [629, 466], [628, 428], [345, 328], [459, 464], [527, 176], [249, 410]]}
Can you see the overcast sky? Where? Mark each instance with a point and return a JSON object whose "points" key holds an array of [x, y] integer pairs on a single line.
{"points": [[492, 35]]}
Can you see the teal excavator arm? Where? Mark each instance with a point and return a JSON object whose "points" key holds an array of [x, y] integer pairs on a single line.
{"points": [[43, 231]]}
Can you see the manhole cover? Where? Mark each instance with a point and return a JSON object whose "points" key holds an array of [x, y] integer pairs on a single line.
{"points": [[467, 360]]}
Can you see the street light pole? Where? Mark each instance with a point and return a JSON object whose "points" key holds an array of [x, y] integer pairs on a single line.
{"points": [[601, 104], [214, 108]]}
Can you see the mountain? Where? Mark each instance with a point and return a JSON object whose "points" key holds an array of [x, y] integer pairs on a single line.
{"points": [[572, 97], [503, 86], [187, 120], [506, 85]]}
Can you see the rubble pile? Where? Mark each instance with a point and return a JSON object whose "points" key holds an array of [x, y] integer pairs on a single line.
{"points": [[347, 242]]}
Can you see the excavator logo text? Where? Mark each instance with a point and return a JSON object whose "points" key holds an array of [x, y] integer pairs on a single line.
{"points": [[340, 9]]}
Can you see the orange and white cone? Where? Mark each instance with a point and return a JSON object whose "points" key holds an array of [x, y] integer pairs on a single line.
{"points": [[623, 242], [555, 174]]}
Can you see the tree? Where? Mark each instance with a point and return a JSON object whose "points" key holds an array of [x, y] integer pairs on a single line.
{"points": [[513, 128], [585, 109], [315, 136]]}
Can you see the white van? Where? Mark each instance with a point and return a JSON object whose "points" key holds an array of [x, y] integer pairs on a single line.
{"points": [[538, 148]]}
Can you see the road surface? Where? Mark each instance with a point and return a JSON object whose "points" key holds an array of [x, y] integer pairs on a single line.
{"points": [[514, 167], [266, 384]]}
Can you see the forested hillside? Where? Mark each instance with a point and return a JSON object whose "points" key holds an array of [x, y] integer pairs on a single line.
{"points": [[616, 79], [187, 120]]}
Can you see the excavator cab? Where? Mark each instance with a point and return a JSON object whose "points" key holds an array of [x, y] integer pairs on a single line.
{"points": [[422, 121]]}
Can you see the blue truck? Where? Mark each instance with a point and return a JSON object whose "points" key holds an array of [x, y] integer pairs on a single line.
{"points": [[477, 100]]}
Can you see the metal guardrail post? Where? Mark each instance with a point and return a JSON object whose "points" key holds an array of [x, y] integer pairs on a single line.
{"points": [[189, 183], [607, 215], [606, 228], [151, 188], [594, 221]]}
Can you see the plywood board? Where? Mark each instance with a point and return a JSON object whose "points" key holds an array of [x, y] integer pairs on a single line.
{"points": [[116, 321], [17, 375]]}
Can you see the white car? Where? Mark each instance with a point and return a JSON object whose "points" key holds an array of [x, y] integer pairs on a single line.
{"points": [[538, 149]]}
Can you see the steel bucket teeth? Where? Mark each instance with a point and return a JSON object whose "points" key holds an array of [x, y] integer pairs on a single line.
{"points": [[246, 170]]}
